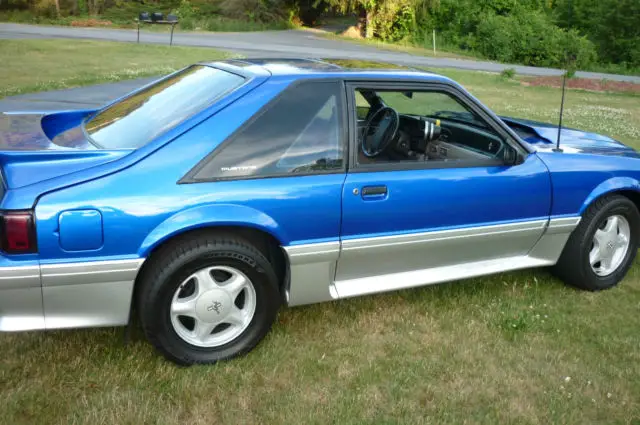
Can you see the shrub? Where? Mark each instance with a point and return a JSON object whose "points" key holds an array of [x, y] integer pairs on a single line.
{"points": [[255, 10], [395, 20], [508, 73], [221, 24], [532, 39], [187, 24], [186, 10]]}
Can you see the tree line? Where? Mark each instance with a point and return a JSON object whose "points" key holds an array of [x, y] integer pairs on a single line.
{"points": [[530, 32]]}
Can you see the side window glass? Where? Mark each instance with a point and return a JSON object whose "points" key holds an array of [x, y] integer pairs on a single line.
{"points": [[300, 132], [411, 126]]}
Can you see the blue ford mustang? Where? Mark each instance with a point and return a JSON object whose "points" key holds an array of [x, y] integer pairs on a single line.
{"points": [[204, 201]]}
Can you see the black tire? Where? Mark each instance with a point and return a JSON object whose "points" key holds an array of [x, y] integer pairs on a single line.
{"points": [[573, 266], [174, 263]]}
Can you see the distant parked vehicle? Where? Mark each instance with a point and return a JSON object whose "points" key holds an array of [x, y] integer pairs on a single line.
{"points": [[204, 201]]}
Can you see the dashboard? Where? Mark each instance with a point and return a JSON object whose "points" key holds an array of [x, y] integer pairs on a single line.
{"points": [[457, 141]]}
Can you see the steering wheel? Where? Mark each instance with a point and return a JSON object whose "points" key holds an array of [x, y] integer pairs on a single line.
{"points": [[380, 131]]}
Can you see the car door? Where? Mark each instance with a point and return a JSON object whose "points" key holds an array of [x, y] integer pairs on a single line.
{"points": [[414, 222]]}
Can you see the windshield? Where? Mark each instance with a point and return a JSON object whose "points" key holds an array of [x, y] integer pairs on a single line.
{"points": [[140, 118]]}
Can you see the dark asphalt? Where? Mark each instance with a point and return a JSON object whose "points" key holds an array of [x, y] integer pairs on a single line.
{"points": [[78, 98]]}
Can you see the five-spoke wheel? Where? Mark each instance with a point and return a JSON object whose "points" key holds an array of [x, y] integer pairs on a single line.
{"points": [[603, 246], [610, 245], [207, 297], [213, 306]]}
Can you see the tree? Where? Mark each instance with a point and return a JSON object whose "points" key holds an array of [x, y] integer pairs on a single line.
{"points": [[377, 16], [613, 25], [364, 8]]}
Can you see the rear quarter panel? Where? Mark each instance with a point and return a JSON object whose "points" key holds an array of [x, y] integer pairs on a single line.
{"points": [[143, 205]]}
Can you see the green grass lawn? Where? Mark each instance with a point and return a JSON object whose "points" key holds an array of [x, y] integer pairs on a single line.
{"points": [[125, 18], [38, 65], [615, 114], [515, 348]]}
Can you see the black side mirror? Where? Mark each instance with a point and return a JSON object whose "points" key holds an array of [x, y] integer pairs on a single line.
{"points": [[509, 155]]}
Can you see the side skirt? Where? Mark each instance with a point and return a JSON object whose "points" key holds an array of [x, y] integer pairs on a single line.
{"points": [[392, 282], [313, 266]]}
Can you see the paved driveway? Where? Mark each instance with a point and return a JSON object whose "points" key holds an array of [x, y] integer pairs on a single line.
{"points": [[78, 98], [282, 43], [267, 43]]}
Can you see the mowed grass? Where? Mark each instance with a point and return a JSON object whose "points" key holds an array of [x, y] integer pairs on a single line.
{"points": [[514, 348], [614, 114], [39, 65]]}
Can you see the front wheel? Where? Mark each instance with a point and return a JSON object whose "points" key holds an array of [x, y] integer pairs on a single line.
{"points": [[602, 248], [207, 298]]}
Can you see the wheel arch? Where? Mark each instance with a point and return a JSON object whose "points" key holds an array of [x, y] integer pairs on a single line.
{"points": [[625, 186], [207, 216], [252, 225]]}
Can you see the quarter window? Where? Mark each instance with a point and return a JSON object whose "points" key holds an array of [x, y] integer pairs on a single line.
{"points": [[300, 132]]}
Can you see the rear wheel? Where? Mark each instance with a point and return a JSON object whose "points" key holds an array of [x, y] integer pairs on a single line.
{"points": [[602, 248], [207, 298]]}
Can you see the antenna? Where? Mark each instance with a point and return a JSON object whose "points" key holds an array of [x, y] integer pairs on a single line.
{"points": [[564, 86]]}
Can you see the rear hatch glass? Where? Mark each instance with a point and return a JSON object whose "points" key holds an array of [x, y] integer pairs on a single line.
{"points": [[138, 119]]}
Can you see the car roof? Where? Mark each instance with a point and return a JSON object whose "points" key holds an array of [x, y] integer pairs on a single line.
{"points": [[336, 68]]}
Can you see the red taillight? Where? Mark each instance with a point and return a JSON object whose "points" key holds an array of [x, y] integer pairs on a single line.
{"points": [[18, 233]]}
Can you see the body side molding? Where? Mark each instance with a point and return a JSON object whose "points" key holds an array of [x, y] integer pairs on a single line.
{"points": [[438, 235], [313, 266]]}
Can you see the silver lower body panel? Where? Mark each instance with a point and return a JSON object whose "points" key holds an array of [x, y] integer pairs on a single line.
{"points": [[395, 281], [312, 269], [507, 247], [20, 299], [69, 295]]}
